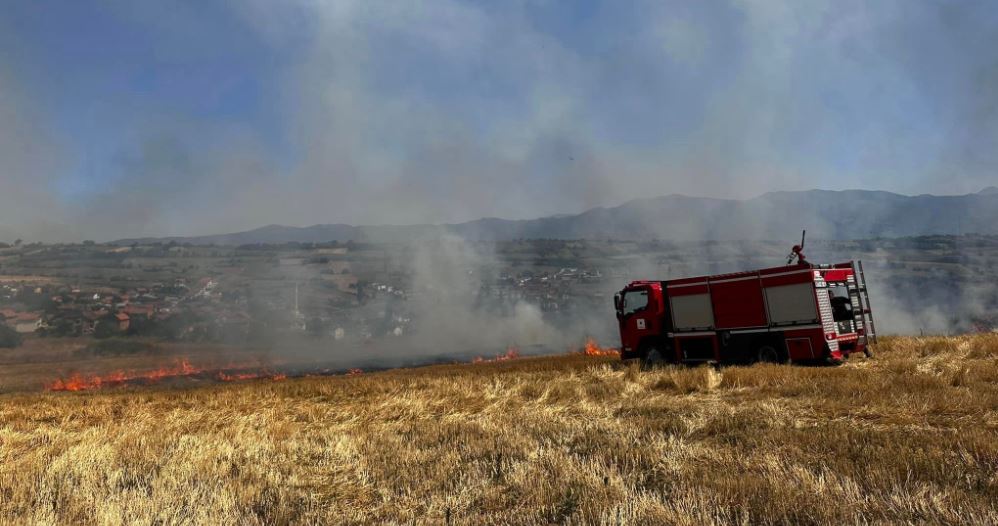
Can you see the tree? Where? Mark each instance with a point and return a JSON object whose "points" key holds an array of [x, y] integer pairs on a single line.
{"points": [[9, 338], [141, 326], [105, 328], [64, 327]]}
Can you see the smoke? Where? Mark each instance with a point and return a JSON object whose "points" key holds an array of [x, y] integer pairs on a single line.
{"points": [[379, 112], [900, 312], [923, 285], [455, 308], [445, 111], [438, 300], [29, 155]]}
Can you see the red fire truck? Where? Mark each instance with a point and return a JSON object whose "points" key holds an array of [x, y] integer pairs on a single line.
{"points": [[797, 312]]}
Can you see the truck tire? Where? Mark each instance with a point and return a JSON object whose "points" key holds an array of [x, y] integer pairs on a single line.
{"points": [[768, 353], [652, 357]]}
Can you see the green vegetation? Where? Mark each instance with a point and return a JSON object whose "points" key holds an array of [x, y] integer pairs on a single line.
{"points": [[9, 338]]}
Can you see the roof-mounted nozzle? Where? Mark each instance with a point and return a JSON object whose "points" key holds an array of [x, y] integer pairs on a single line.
{"points": [[797, 253]]}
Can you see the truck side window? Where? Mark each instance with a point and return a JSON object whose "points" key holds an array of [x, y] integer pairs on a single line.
{"points": [[841, 304], [635, 301]]}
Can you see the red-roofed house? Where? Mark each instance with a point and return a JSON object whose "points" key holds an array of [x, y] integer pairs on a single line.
{"points": [[140, 310]]}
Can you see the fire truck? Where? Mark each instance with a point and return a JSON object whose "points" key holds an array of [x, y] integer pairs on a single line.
{"points": [[799, 312]]}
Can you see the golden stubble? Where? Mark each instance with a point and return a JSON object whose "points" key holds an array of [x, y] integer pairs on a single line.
{"points": [[908, 436]]}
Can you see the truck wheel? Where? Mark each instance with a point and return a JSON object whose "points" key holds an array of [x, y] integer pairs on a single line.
{"points": [[652, 358], [769, 354]]}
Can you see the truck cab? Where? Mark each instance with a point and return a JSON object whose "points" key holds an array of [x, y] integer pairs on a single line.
{"points": [[641, 315]]}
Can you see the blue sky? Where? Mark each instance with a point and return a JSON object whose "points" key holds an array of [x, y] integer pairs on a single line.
{"points": [[126, 118]]}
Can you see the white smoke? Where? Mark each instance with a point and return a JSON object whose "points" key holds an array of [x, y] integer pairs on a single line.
{"points": [[452, 278]]}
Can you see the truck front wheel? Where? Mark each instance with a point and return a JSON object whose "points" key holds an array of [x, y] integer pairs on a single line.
{"points": [[652, 358], [769, 354]]}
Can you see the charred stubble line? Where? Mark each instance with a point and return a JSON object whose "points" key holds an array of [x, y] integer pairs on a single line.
{"points": [[906, 437]]}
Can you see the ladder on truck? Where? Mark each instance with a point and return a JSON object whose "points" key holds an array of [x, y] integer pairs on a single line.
{"points": [[860, 298]]}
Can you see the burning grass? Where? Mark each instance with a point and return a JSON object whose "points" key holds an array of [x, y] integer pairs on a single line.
{"points": [[591, 348], [181, 368], [909, 436]]}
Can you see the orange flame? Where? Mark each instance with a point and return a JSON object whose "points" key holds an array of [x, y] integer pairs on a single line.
{"points": [[512, 353], [593, 349]]}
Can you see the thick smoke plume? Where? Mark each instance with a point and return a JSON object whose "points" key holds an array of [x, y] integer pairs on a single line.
{"points": [[379, 112], [451, 299]]}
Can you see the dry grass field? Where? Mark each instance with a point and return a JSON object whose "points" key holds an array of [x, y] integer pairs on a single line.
{"points": [[910, 436]]}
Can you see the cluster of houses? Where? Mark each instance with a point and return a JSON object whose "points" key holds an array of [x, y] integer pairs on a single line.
{"points": [[75, 311], [21, 318], [552, 291], [22, 322], [203, 309]]}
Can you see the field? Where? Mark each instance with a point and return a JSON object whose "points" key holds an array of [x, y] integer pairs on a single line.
{"points": [[908, 436], [40, 361]]}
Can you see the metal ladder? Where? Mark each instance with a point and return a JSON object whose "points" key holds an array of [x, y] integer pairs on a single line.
{"points": [[857, 311], [859, 297]]}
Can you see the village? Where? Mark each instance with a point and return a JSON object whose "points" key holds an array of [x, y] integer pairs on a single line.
{"points": [[61, 310], [362, 291], [250, 305]]}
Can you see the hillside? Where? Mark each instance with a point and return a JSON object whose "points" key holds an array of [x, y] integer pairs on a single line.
{"points": [[906, 437], [833, 215]]}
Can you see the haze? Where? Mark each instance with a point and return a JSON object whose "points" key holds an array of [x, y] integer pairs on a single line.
{"points": [[123, 118]]}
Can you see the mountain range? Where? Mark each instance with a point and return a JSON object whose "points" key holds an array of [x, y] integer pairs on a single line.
{"points": [[846, 214]]}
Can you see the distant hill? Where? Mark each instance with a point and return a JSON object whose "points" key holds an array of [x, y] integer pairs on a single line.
{"points": [[848, 214]]}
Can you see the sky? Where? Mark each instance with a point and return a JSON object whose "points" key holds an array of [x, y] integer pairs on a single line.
{"points": [[126, 118]]}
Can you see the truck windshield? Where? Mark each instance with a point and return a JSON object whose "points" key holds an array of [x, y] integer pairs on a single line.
{"points": [[634, 301]]}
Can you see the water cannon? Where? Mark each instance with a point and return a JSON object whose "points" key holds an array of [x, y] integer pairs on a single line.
{"points": [[797, 253]]}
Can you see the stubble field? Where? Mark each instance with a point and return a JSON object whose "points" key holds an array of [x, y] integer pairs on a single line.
{"points": [[908, 436]]}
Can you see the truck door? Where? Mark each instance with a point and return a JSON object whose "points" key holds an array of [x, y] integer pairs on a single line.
{"points": [[635, 317]]}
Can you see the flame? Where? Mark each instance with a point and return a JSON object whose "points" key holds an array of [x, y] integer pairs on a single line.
{"points": [[593, 349], [181, 368], [511, 353]]}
